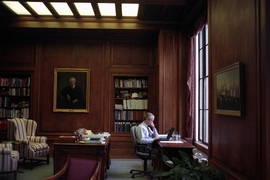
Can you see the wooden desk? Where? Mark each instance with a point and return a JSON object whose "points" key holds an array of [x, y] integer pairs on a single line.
{"points": [[62, 150], [170, 149]]}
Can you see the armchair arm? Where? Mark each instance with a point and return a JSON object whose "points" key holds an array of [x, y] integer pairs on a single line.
{"points": [[97, 172], [37, 139], [60, 173]]}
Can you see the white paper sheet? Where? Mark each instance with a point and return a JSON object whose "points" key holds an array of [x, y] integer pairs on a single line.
{"points": [[171, 142]]}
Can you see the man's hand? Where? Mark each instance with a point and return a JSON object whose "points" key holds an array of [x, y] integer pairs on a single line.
{"points": [[156, 138], [152, 125], [74, 101]]}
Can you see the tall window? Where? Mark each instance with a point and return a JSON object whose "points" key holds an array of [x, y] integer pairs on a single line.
{"points": [[201, 117]]}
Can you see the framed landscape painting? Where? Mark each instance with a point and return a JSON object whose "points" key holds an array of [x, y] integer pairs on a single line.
{"points": [[71, 90], [228, 90]]}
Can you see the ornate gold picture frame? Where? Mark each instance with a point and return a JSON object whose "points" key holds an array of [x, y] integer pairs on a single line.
{"points": [[71, 90], [228, 90]]}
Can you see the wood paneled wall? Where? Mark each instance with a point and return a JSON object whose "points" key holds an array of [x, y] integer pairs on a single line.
{"points": [[238, 31], [87, 55], [237, 144], [105, 54]]}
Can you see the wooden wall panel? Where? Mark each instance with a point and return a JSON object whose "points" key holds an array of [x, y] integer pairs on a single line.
{"points": [[18, 53], [232, 38], [168, 80], [132, 54], [265, 88], [104, 57], [71, 55]]}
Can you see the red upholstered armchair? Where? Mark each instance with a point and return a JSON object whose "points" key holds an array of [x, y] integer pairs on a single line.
{"points": [[8, 159], [30, 146], [77, 168]]}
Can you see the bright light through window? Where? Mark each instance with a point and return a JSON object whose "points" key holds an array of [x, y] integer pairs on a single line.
{"points": [[62, 8], [130, 9], [107, 9], [39, 8], [84, 9], [16, 7]]}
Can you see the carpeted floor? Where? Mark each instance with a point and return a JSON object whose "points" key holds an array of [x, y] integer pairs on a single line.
{"points": [[119, 170]]}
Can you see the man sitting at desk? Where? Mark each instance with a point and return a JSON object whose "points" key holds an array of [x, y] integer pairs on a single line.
{"points": [[146, 132]]}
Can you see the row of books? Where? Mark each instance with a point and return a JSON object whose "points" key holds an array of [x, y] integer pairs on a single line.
{"points": [[7, 102], [12, 113], [129, 115], [133, 82], [123, 126], [17, 82], [3, 124], [16, 91], [135, 104], [4, 102]]}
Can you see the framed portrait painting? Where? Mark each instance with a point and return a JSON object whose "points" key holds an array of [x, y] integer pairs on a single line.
{"points": [[228, 90], [71, 90]]}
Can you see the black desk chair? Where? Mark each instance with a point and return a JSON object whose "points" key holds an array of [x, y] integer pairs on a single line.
{"points": [[143, 152]]}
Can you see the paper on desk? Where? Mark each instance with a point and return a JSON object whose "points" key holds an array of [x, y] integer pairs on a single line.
{"points": [[162, 135], [92, 136], [171, 142]]}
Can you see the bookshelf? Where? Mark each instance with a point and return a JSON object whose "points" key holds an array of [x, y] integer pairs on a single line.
{"points": [[131, 101], [14, 97]]}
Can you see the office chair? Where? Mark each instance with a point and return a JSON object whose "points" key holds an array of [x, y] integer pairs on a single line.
{"points": [[142, 151], [78, 168]]}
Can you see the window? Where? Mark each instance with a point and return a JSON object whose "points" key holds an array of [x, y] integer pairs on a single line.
{"points": [[201, 80]]}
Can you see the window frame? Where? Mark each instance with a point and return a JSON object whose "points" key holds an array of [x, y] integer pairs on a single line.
{"points": [[201, 99]]}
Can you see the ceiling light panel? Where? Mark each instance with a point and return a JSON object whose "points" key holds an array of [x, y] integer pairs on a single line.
{"points": [[107, 9], [39, 8], [16, 7], [130, 9], [84, 9], [62, 8]]}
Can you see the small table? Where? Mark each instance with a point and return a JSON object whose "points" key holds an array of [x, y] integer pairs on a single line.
{"points": [[96, 151]]}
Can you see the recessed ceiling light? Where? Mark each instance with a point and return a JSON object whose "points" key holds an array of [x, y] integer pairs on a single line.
{"points": [[62, 8], [39, 8], [130, 9], [84, 9], [16, 7], [107, 9]]}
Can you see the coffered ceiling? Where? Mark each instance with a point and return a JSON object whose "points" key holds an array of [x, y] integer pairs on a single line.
{"points": [[151, 14]]}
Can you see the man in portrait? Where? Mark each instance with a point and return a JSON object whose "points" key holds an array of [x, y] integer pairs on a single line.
{"points": [[73, 96]]}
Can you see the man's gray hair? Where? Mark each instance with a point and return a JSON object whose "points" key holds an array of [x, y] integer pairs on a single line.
{"points": [[148, 115], [72, 78]]}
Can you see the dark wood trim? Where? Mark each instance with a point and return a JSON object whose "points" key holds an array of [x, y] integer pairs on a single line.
{"points": [[91, 23]]}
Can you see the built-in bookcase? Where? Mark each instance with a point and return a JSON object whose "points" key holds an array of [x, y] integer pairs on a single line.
{"points": [[131, 101], [15, 91]]}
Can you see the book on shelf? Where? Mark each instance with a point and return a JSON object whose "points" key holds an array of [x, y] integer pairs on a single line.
{"points": [[3, 124], [131, 83], [122, 126], [25, 112], [135, 104], [119, 106], [129, 115], [15, 81]]}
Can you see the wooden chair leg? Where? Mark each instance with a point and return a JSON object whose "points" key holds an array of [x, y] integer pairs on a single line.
{"points": [[31, 164], [48, 158], [15, 175]]}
